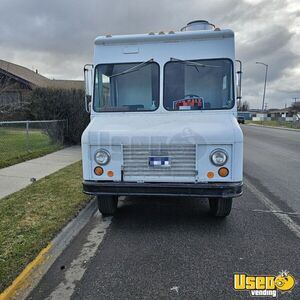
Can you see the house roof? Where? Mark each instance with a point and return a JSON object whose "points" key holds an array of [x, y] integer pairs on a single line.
{"points": [[24, 73], [67, 84], [37, 80], [278, 110]]}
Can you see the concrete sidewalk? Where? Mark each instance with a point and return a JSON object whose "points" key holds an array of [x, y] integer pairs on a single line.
{"points": [[18, 176]]}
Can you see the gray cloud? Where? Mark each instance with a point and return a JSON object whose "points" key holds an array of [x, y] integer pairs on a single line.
{"points": [[56, 37], [266, 42]]}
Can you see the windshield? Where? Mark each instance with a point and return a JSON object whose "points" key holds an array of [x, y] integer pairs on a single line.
{"points": [[127, 87], [198, 85]]}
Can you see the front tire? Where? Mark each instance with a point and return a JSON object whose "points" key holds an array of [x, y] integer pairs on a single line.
{"points": [[220, 207], [107, 204]]}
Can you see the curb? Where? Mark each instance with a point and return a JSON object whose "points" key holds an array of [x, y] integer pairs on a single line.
{"points": [[273, 127], [35, 270]]}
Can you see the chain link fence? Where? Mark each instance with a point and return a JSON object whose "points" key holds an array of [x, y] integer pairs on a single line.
{"points": [[282, 123], [22, 140], [289, 124]]}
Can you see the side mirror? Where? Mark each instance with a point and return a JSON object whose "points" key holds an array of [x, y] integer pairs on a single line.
{"points": [[239, 83], [88, 83]]}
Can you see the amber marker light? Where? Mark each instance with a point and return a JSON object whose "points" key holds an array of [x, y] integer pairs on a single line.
{"points": [[110, 173], [210, 174], [223, 172], [98, 171]]}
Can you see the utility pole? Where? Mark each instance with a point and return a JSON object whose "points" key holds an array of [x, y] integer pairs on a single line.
{"points": [[266, 75]]}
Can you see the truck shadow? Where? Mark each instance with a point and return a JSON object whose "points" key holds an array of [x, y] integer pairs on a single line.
{"points": [[159, 213], [164, 205]]}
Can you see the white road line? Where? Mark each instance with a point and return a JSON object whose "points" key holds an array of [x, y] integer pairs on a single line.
{"points": [[269, 211], [276, 211], [285, 219], [79, 265]]}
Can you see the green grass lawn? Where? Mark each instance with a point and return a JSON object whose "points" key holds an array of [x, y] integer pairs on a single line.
{"points": [[30, 218], [16, 146], [276, 124]]}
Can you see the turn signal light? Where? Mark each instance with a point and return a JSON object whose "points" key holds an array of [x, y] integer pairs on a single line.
{"points": [[223, 172], [110, 173], [210, 174], [98, 171]]}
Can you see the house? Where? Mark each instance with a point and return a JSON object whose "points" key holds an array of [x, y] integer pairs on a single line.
{"points": [[17, 81], [283, 114], [246, 114]]}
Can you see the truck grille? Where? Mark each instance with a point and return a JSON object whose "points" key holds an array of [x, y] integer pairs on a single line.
{"points": [[182, 160]]}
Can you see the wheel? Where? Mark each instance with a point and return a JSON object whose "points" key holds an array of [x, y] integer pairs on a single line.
{"points": [[107, 205], [220, 207]]}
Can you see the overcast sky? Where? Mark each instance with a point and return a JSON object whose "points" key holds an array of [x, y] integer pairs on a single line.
{"points": [[56, 36]]}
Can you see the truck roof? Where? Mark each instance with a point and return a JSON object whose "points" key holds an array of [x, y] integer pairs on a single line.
{"points": [[164, 37]]}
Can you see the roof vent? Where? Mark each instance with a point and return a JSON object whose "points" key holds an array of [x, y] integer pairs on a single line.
{"points": [[198, 25]]}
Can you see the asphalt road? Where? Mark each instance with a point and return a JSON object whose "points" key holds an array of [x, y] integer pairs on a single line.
{"points": [[172, 249], [272, 157]]}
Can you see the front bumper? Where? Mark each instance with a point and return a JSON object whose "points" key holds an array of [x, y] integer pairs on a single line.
{"points": [[203, 190]]}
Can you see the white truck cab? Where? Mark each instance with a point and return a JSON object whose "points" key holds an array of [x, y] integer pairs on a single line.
{"points": [[163, 118]]}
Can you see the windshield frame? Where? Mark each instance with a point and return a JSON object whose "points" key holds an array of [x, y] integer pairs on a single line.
{"points": [[199, 60], [125, 63]]}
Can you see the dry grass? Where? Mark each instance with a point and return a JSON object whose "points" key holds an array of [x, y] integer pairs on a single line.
{"points": [[284, 124]]}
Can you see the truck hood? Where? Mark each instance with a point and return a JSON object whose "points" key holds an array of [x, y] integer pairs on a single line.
{"points": [[163, 128]]}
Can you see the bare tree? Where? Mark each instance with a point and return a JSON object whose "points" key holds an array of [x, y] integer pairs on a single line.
{"points": [[294, 110], [296, 107], [8, 105], [244, 106]]}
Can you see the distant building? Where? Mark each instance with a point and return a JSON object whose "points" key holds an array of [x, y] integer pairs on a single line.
{"points": [[246, 114], [283, 114], [16, 81]]}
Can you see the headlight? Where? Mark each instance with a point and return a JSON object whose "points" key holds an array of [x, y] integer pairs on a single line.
{"points": [[102, 157], [218, 157]]}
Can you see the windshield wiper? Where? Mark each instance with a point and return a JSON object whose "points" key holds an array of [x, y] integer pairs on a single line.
{"points": [[133, 69], [192, 63]]}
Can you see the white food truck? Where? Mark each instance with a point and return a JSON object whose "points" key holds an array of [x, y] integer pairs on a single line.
{"points": [[163, 117]]}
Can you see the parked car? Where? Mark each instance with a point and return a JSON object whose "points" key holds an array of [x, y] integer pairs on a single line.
{"points": [[241, 119]]}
